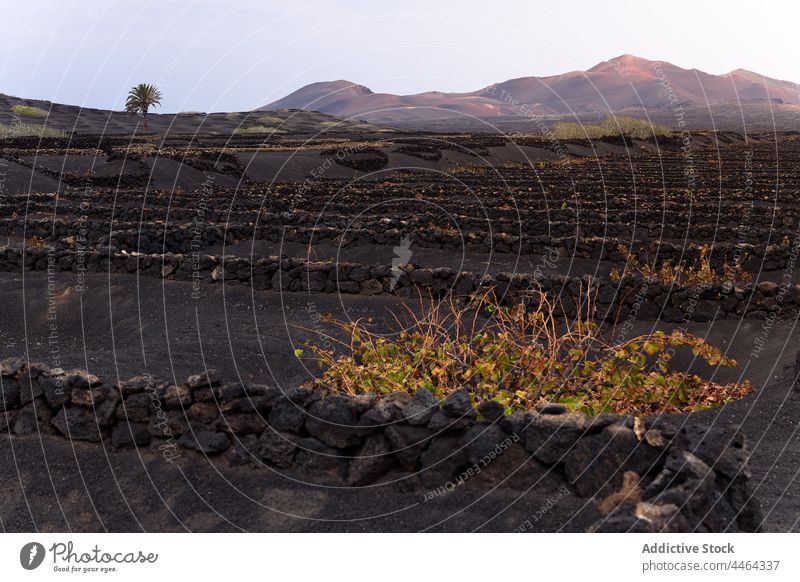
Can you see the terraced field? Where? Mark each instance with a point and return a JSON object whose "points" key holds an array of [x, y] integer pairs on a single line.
{"points": [[168, 254], [455, 225]]}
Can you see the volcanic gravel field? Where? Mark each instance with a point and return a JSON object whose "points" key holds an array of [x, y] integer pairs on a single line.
{"points": [[375, 203]]}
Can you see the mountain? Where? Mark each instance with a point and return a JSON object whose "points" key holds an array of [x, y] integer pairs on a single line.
{"points": [[621, 83], [356, 101]]}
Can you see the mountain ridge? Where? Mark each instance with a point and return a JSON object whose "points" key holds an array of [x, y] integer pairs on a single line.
{"points": [[621, 82]]}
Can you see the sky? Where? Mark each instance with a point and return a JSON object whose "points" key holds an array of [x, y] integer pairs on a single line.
{"points": [[236, 55]]}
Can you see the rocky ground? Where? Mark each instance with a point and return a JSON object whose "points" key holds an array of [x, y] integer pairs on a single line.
{"points": [[468, 206]]}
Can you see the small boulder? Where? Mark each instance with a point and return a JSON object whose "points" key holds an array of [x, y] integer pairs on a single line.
{"points": [[136, 407], [491, 410], [167, 424], [137, 384], [205, 441], [408, 443], [421, 408], [90, 397], [482, 442], [549, 437], [227, 392], [207, 379], [77, 422], [371, 287], [244, 450], [12, 367], [458, 405], [516, 422], [81, 380], [596, 464], [441, 422], [9, 394], [373, 460], [203, 412], [34, 417], [442, 461], [175, 397], [277, 448], [29, 390], [333, 422], [106, 411], [55, 388], [243, 423], [287, 416], [386, 411], [362, 403]]}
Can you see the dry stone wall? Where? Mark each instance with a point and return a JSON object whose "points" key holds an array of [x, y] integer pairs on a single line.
{"points": [[630, 297], [651, 474]]}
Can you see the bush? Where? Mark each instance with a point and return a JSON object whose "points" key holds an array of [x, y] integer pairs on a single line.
{"points": [[35, 242], [273, 119], [20, 129], [520, 357], [257, 129], [27, 111], [570, 130], [699, 272], [635, 128], [611, 127]]}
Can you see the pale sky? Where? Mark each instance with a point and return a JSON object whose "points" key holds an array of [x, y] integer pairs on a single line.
{"points": [[235, 55]]}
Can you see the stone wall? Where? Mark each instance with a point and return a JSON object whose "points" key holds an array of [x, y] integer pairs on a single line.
{"points": [[651, 474], [771, 252], [613, 301]]}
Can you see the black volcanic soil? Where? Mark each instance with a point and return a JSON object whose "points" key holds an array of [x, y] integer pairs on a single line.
{"points": [[123, 325], [78, 488], [120, 327], [55, 486]]}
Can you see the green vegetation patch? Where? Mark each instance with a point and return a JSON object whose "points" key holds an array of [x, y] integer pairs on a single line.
{"points": [[273, 119], [257, 129], [520, 356], [611, 127], [28, 111], [20, 129]]}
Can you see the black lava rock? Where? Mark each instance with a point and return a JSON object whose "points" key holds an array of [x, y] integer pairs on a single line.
{"points": [[333, 422], [421, 408], [126, 435], [287, 415], [205, 441]]}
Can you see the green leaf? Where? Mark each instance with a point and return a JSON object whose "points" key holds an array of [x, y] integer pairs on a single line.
{"points": [[651, 347]]}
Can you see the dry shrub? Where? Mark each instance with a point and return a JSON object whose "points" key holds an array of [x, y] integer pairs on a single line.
{"points": [[611, 127], [20, 129], [698, 272], [520, 357], [28, 111], [35, 242], [257, 130]]}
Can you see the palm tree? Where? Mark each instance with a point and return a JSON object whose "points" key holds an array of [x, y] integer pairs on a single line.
{"points": [[141, 98]]}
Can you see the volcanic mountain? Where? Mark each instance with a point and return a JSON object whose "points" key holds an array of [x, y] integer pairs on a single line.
{"points": [[621, 83]]}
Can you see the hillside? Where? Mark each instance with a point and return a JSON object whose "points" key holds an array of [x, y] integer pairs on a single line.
{"points": [[625, 82]]}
